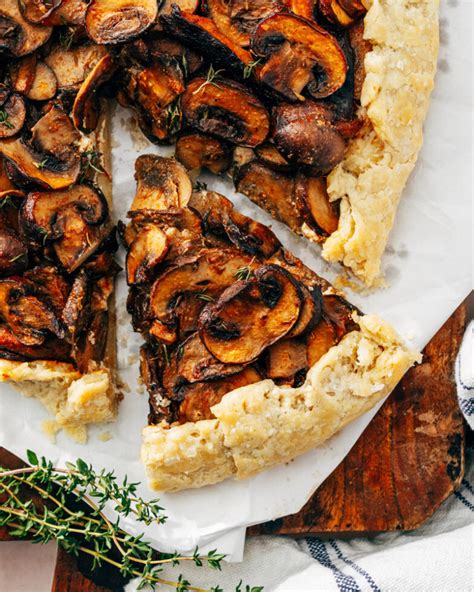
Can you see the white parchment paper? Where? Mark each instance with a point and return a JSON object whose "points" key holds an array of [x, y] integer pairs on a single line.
{"points": [[428, 266]]}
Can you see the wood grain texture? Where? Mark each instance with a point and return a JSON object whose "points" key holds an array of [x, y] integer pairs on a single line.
{"points": [[408, 460], [68, 578]]}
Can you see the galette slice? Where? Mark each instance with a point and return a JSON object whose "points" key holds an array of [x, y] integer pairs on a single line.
{"points": [[250, 358]]}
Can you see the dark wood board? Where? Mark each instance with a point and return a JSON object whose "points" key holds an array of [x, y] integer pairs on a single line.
{"points": [[409, 459]]}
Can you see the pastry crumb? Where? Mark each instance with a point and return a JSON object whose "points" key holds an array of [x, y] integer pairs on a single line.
{"points": [[105, 436], [50, 427]]}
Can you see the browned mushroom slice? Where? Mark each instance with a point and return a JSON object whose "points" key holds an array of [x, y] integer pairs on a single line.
{"points": [[220, 217], [194, 363], [311, 311], [272, 158], [116, 21], [35, 11], [199, 398], [320, 340], [285, 358], [17, 35], [146, 251], [29, 319], [197, 151], [44, 85], [305, 135], [324, 213], [166, 46], [237, 19], [208, 273], [12, 116], [86, 108], [202, 34], [71, 66], [153, 91], [35, 167], [226, 109], [333, 11], [69, 12], [354, 8], [272, 191], [7, 188], [299, 55], [52, 348], [49, 285], [340, 313], [22, 73], [54, 134], [72, 219], [251, 315], [13, 251], [162, 184], [76, 310], [304, 8]]}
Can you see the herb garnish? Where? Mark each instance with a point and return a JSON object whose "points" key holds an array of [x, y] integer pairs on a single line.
{"points": [[4, 119], [249, 68], [210, 78], [243, 273], [46, 162], [175, 115], [90, 159], [73, 513]]}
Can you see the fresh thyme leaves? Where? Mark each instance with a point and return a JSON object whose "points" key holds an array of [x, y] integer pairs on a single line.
{"points": [[73, 514], [243, 273], [44, 234], [66, 38], [46, 162], [249, 68], [205, 297], [90, 160], [4, 119], [210, 79], [16, 258], [7, 201], [175, 115], [166, 354]]}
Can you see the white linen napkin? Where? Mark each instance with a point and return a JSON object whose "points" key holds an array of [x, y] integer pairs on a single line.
{"points": [[438, 557]]}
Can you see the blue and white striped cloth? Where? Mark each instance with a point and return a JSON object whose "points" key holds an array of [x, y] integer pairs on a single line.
{"points": [[439, 557]]}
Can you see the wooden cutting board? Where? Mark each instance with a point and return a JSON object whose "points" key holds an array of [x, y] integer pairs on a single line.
{"points": [[405, 464]]}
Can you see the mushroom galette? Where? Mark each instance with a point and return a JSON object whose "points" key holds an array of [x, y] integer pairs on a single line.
{"points": [[314, 108]]}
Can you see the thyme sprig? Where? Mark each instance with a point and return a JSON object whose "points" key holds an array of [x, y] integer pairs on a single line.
{"points": [[75, 498], [90, 160], [210, 79], [250, 67], [4, 119], [174, 115], [45, 163]]}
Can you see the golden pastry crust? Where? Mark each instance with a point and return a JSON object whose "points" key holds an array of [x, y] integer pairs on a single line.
{"points": [[75, 399], [262, 425], [400, 72]]}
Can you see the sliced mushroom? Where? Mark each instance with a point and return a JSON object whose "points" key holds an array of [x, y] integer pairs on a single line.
{"points": [[208, 273], [340, 313], [325, 214], [71, 66], [49, 285], [320, 340], [153, 91], [46, 172], [201, 34], [86, 107], [311, 310], [226, 109], [272, 158], [13, 251], [286, 358], [333, 11], [237, 19], [197, 151], [72, 220], [36, 11], [11, 348], [29, 319], [162, 184], [188, 6], [17, 35], [361, 47], [69, 12], [147, 250], [44, 84], [116, 21], [12, 116], [55, 135], [354, 8], [305, 135], [272, 191], [189, 60], [7, 188], [194, 363], [22, 73], [76, 312], [299, 55], [303, 8], [220, 217], [199, 398], [251, 315]]}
